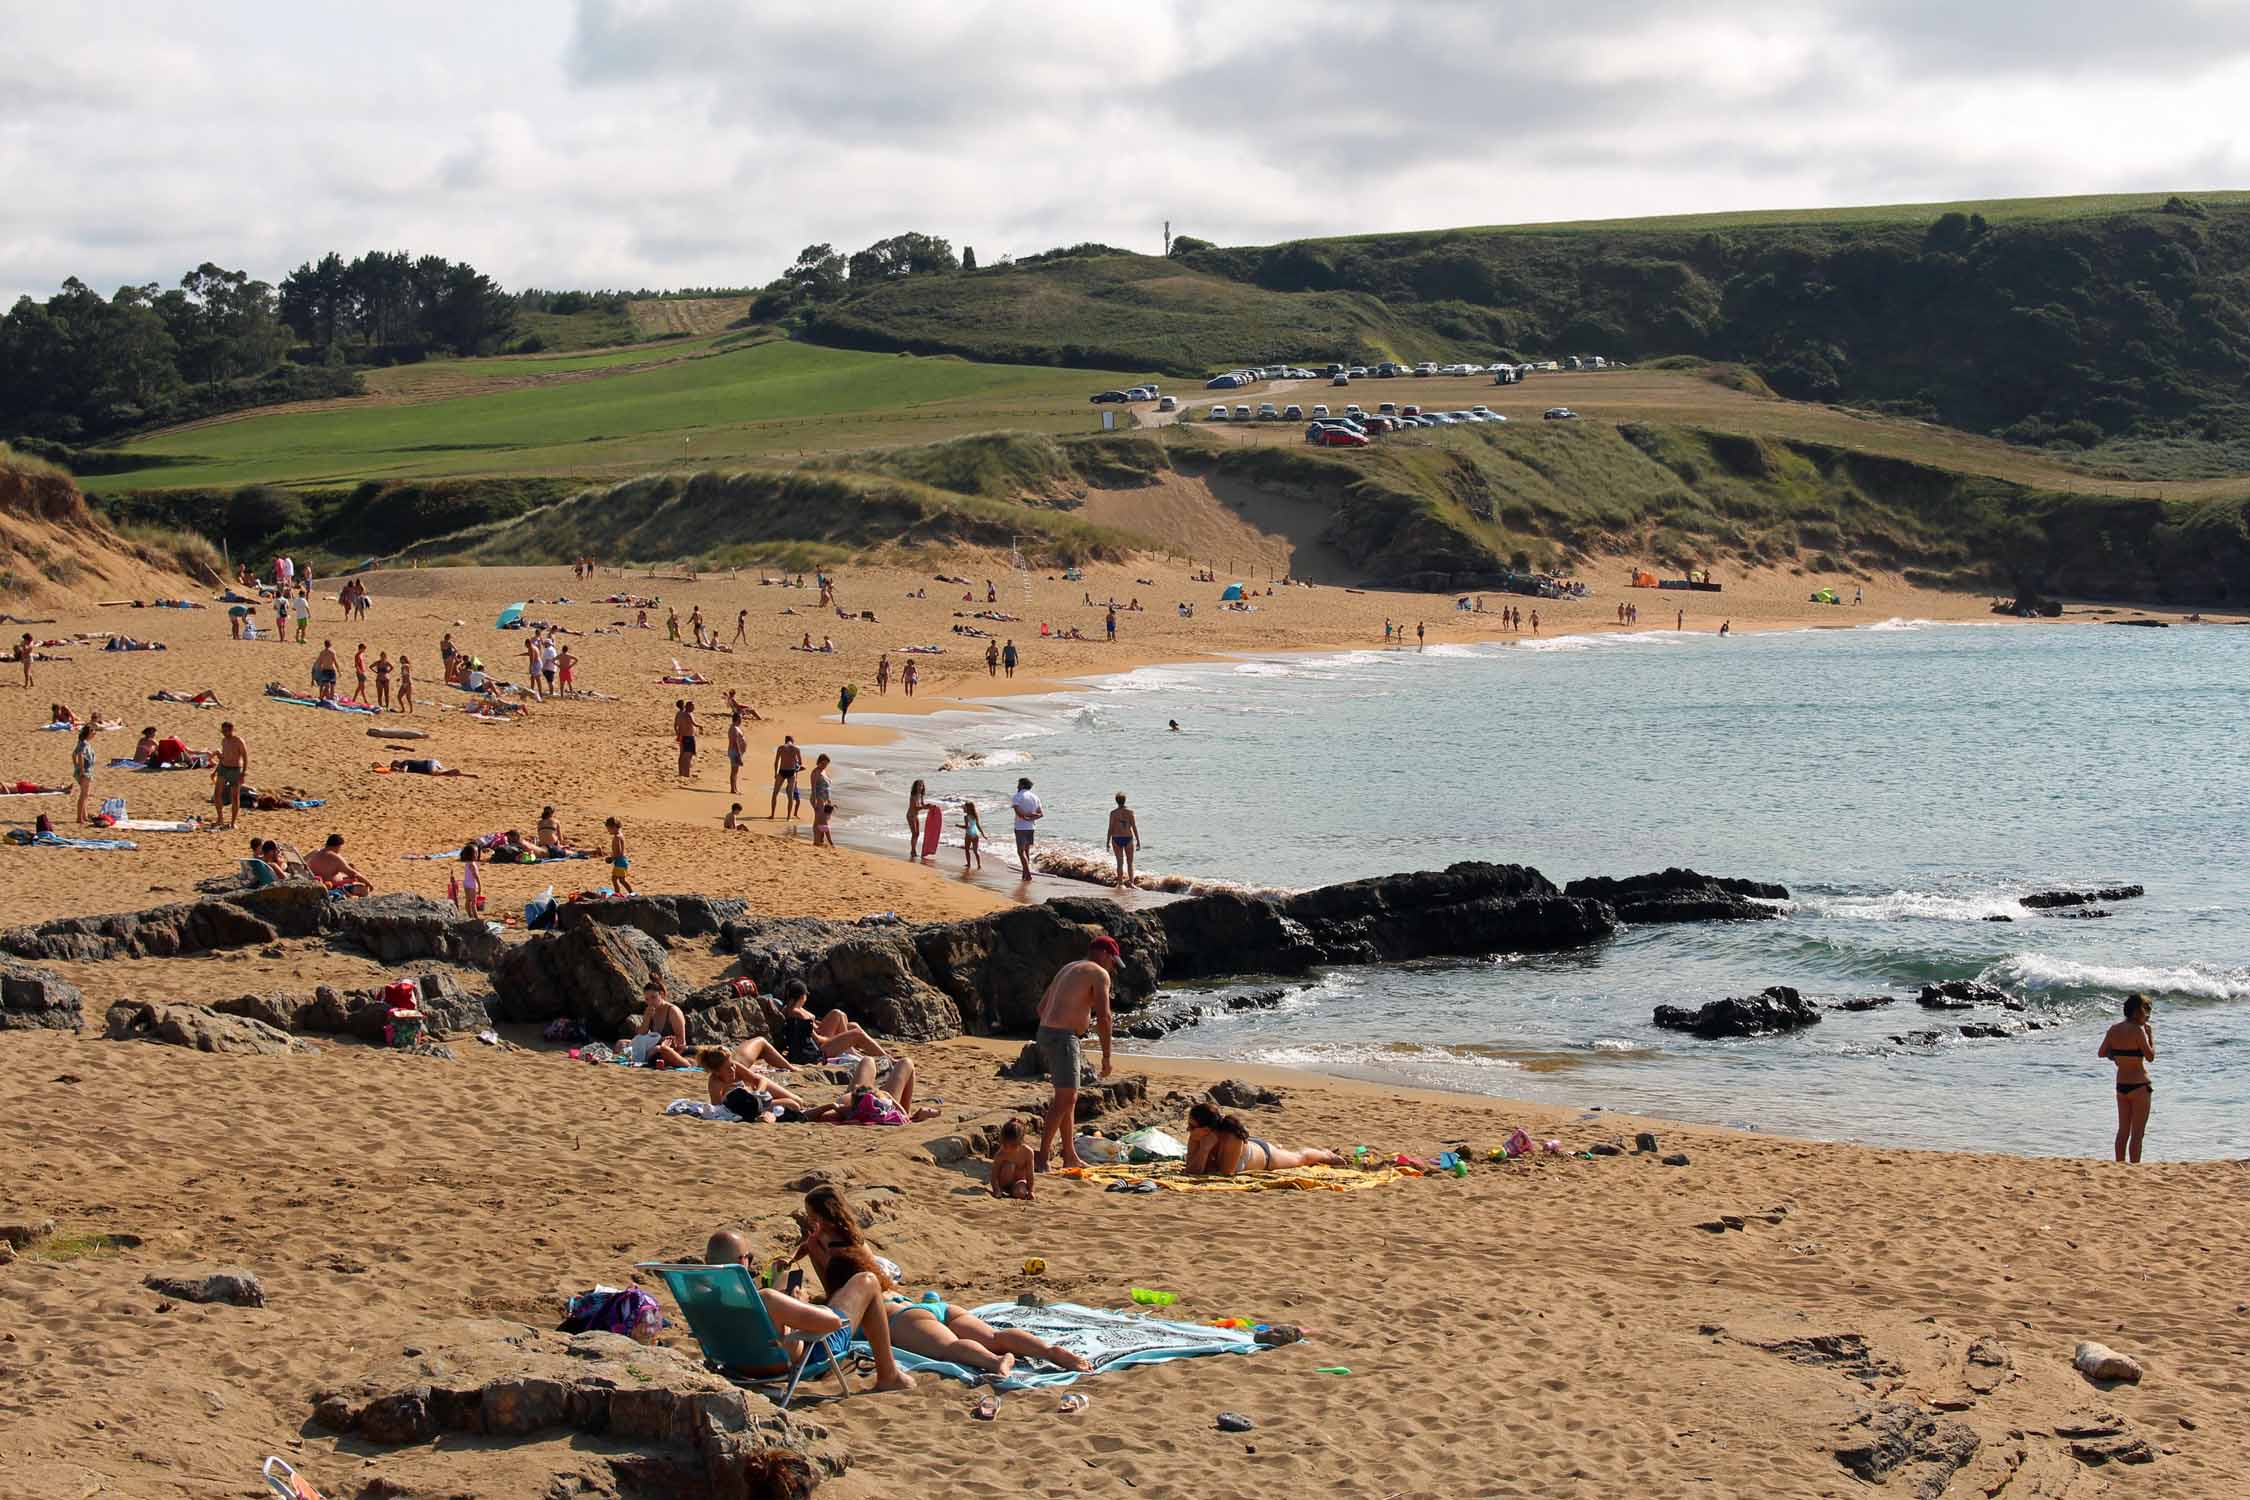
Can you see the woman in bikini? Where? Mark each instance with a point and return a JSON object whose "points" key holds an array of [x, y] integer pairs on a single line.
{"points": [[932, 1329], [2131, 1044], [1220, 1145]]}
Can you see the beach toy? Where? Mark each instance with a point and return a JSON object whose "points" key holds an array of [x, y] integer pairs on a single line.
{"points": [[1332, 1370], [1452, 1161], [1034, 1267], [1519, 1143], [1073, 1403], [1553, 1148], [1147, 1298], [1497, 1153], [1242, 1323]]}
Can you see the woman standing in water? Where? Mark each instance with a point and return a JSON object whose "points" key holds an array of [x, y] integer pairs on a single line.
{"points": [[2131, 1044]]}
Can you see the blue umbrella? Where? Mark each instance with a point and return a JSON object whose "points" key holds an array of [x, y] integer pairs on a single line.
{"points": [[508, 616]]}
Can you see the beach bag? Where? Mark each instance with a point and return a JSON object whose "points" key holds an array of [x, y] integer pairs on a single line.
{"points": [[1153, 1144], [113, 808], [539, 912], [631, 1312]]}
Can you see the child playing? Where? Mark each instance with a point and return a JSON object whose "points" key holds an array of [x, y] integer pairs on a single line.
{"points": [[972, 838], [472, 886], [733, 822], [618, 863], [1011, 1164]]}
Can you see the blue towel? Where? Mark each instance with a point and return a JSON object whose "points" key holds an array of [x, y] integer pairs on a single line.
{"points": [[1112, 1340], [57, 841]]}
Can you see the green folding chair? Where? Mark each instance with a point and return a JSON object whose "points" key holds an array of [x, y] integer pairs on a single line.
{"points": [[738, 1337]]}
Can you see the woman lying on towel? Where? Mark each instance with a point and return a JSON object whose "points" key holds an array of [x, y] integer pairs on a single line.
{"points": [[424, 767], [738, 1084], [1220, 1145], [875, 1098], [935, 1330]]}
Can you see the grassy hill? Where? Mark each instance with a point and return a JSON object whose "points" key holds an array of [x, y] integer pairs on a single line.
{"points": [[2117, 328]]}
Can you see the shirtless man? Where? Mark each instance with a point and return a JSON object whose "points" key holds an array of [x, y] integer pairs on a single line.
{"points": [[331, 869], [228, 775], [788, 761], [738, 744], [324, 672], [1078, 993], [659, 1037], [683, 730], [1124, 839]]}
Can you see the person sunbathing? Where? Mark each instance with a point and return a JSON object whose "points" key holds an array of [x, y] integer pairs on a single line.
{"points": [[1220, 1145], [806, 1038], [737, 1084], [429, 768], [855, 1303], [144, 749], [659, 1035], [328, 866], [831, 1242], [874, 1098]]}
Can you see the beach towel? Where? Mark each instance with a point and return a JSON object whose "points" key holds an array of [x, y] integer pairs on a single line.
{"points": [[1167, 1175], [338, 706], [699, 1110], [1112, 1340], [158, 825], [57, 841], [125, 763]]}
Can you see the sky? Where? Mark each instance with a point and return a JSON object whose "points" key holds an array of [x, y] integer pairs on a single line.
{"points": [[670, 143]]}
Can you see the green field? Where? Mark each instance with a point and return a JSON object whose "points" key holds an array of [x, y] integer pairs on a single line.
{"points": [[763, 402]]}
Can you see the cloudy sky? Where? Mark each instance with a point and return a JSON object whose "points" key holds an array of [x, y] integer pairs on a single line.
{"points": [[700, 142]]}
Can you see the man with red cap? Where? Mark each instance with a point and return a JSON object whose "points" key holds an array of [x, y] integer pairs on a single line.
{"points": [[1079, 993]]}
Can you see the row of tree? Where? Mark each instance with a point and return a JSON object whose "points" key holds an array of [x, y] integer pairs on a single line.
{"points": [[391, 301], [820, 274]]}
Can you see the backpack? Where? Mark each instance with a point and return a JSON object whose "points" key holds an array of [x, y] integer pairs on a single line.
{"points": [[632, 1312]]}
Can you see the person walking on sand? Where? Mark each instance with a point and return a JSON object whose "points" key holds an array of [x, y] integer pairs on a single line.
{"points": [[1079, 993], [301, 611], [823, 804], [672, 623], [359, 670], [883, 674], [909, 678], [917, 808], [742, 627], [788, 761], [1008, 658], [228, 776], [405, 686], [1028, 813], [1421, 636], [683, 730], [618, 863], [280, 617], [82, 767], [991, 658], [1124, 839], [972, 838], [2131, 1045], [1111, 624], [738, 744]]}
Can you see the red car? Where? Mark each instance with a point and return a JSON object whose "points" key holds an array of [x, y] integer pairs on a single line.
{"points": [[1337, 437]]}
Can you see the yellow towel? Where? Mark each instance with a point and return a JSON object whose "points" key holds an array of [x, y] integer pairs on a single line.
{"points": [[1167, 1175]]}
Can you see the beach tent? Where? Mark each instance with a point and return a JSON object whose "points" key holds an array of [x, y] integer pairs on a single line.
{"points": [[1826, 596], [1234, 591], [1643, 579], [508, 616]]}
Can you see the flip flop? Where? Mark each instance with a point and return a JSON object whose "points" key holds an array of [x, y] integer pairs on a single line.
{"points": [[986, 1409], [1071, 1404]]}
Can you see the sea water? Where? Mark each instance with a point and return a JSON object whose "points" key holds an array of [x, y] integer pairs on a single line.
{"points": [[1905, 780]]}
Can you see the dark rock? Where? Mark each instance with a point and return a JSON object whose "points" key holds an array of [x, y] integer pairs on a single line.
{"points": [[996, 968], [2050, 900], [1677, 895], [1676, 1159], [1463, 910], [1898, 1437], [38, 999], [229, 1284], [2081, 914], [1775, 1009], [1233, 1093], [1917, 1039], [2132, 1450], [1998, 918], [590, 973], [661, 917], [1645, 1143], [21, 1232], [400, 928], [880, 981], [294, 908], [197, 1027], [1987, 1030], [1966, 994], [1865, 1002], [718, 1017], [445, 1008], [185, 927], [1606, 1148], [1256, 1000], [2029, 606]]}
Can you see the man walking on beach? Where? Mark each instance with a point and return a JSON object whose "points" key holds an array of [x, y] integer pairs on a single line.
{"points": [[227, 777], [1028, 814], [683, 730], [1008, 658], [788, 761], [1079, 993], [991, 658], [1112, 624]]}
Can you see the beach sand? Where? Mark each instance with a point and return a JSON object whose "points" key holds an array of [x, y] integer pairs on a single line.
{"points": [[1557, 1327]]}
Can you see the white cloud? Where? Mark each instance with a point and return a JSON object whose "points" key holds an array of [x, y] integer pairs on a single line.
{"points": [[675, 142]]}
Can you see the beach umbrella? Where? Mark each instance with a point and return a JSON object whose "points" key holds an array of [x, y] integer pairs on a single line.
{"points": [[1234, 591], [508, 616]]}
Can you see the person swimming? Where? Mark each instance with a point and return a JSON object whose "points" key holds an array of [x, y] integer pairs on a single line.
{"points": [[2131, 1045]]}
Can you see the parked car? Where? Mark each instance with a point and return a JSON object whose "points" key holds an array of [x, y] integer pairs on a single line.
{"points": [[1377, 426], [1561, 414], [1242, 413], [1293, 413], [1168, 403], [1410, 410], [1221, 383], [1338, 437], [1386, 370], [1103, 397], [1340, 380], [1216, 414], [1387, 409], [1319, 412], [1267, 411], [1354, 412], [1426, 367], [1486, 413]]}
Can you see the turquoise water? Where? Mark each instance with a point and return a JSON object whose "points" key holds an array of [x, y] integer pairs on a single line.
{"points": [[1905, 781]]}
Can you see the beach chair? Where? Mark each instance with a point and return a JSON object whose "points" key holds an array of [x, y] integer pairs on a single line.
{"points": [[737, 1337], [287, 1482]]}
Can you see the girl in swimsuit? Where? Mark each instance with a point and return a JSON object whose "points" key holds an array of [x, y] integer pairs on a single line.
{"points": [[2131, 1044], [1221, 1145], [930, 1328]]}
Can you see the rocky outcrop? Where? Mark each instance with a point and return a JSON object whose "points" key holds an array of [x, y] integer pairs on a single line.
{"points": [[445, 1007], [196, 1026], [1898, 1438], [995, 968], [591, 973], [1966, 994], [661, 917], [38, 999], [2050, 900], [1777, 1008], [184, 927], [1463, 910], [399, 928], [683, 1430], [1678, 895]]}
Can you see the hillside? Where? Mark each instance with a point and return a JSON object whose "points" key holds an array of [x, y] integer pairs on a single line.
{"points": [[55, 553], [2113, 328]]}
